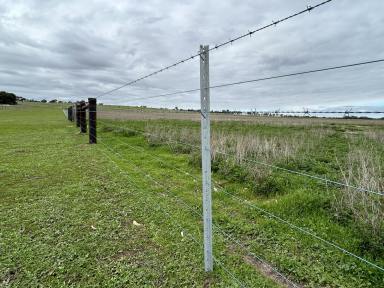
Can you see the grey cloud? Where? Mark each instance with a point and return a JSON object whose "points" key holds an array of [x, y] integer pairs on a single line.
{"points": [[51, 49]]}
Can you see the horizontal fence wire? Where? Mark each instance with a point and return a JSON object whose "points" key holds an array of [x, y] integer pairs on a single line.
{"points": [[315, 177], [294, 226], [234, 278], [215, 226], [287, 75], [231, 41]]}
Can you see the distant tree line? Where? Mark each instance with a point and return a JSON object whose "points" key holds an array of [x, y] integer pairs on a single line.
{"points": [[8, 98], [45, 101], [11, 99], [270, 114]]}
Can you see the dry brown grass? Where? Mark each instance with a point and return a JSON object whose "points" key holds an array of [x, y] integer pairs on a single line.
{"points": [[264, 148], [237, 147], [377, 135], [363, 169]]}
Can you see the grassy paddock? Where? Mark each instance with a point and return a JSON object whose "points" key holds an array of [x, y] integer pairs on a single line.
{"points": [[67, 208]]}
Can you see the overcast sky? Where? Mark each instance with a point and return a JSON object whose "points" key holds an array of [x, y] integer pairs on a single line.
{"points": [[64, 49]]}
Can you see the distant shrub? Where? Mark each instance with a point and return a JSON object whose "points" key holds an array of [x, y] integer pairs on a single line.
{"points": [[107, 129], [43, 101], [125, 132], [230, 169], [7, 98], [53, 101], [272, 185]]}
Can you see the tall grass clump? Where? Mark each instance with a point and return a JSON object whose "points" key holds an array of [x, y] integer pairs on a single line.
{"points": [[377, 135], [363, 168], [237, 154], [180, 140]]}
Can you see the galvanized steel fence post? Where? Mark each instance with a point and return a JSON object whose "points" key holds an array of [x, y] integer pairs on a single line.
{"points": [[206, 156]]}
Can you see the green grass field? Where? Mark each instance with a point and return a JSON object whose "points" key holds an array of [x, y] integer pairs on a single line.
{"points": [[126, 212]]}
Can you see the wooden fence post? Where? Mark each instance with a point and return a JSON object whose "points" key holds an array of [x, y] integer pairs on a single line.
{"points": [[77, 109], [83, 117], [70, 113], [92, 120]]}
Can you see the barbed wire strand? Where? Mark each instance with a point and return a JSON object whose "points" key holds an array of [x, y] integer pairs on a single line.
{"points": [[231, 41]]}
